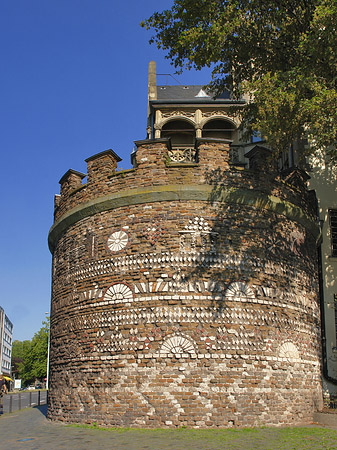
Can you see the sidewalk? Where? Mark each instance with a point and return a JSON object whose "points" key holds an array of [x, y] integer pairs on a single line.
{"points": [[30, 430]]}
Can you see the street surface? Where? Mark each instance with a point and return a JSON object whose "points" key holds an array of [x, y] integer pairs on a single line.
{"points": [[30, 430]]}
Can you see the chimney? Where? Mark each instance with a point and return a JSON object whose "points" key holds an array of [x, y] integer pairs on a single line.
{"points": [[152, 95]]}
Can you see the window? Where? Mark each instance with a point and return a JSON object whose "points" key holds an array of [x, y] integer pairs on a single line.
{"points": [[181, 132], [333, 231], [218, 128]]}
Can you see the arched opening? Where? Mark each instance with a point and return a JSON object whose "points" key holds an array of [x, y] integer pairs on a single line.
{"points": [[218, 128], [181, 132]]}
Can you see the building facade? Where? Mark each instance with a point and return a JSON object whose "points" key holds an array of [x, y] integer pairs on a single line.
{"points": [[6, 341], [324, 181], [185, 290]]}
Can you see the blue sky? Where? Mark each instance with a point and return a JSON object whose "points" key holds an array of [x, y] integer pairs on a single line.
{"points": [[73, 82]]}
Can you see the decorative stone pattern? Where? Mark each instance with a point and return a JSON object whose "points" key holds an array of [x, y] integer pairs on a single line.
{"points": [[179, 113], [118, 293], [182, 155], [197, 312], [177, 346], [153, 232], [289, 351], [117, 241]]}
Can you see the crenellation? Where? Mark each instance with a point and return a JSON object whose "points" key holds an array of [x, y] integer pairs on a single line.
{"points": [[57, 200], [107, 181], [213, 153], [261, 159], [101, 166], [70, 181]]}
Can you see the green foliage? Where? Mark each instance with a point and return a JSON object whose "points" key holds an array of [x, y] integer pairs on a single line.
{"points": [[282, 51], [30, 357], [19, 349]]}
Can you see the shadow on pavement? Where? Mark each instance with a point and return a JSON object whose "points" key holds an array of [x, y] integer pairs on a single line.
{"points": [[42, 408]]}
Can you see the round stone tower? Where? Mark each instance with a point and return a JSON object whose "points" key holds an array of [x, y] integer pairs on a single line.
{"points": [[185, 290]]}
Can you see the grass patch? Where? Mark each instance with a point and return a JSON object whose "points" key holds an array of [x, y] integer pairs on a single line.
{"points": [[285, 438]]}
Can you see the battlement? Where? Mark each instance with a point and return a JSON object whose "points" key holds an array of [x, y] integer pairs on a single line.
{"points": [[157, 164], [154, 163]]}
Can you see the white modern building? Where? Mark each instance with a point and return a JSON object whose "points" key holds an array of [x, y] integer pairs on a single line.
{"points": [[324, 181], [6, 340]]}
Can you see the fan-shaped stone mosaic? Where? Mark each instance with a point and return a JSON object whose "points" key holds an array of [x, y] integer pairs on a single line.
{"points": [[289, 350], [118, 293], [238, 291], [177, 346]]}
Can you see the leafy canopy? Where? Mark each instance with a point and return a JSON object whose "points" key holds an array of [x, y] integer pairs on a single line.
{"points": [[30, 357], [282, 51]]}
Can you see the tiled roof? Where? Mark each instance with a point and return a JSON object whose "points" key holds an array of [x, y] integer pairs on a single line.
{"points": [[180, 92]]}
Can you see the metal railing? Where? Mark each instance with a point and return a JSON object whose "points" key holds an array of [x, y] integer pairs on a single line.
{"points": [[333, 402], [26, 399]]}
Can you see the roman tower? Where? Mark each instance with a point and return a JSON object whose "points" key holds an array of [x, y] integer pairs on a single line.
{"points": [[185, 289]]}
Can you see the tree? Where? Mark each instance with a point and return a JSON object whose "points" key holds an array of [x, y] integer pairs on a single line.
{"points": [[31, 356], [19, 350], [281, 54]]}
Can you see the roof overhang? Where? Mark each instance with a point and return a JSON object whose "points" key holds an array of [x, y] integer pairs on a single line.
{"points": [[201, 102]]}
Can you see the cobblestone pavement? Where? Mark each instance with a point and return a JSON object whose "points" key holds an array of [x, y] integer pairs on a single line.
{"points": [[29, 429]]}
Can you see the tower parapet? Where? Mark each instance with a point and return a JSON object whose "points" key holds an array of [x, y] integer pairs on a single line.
{"points": [[101, 166], [70, 182]]}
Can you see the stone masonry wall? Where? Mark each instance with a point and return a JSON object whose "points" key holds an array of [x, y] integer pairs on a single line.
{"points": [[185, 296]]}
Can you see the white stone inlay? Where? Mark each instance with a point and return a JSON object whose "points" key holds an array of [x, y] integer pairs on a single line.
{"points": [[118, 293], [118, 240], [239, 290], [289, 350], [178, 346]]}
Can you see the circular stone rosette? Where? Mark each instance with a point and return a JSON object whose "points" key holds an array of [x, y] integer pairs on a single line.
{"points": [[117, 241]]}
